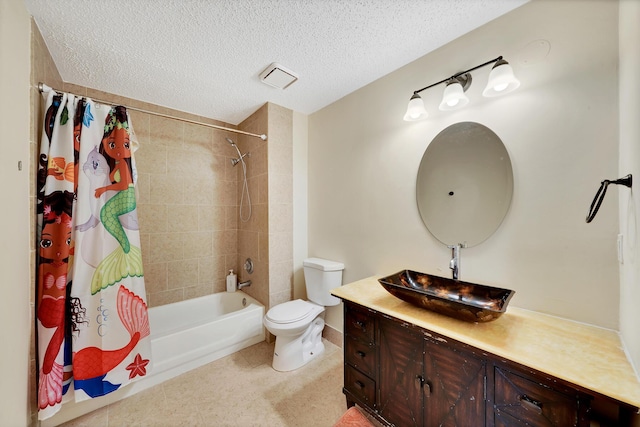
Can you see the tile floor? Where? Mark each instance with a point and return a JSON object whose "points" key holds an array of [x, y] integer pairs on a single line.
{"points": [[238, 390]]}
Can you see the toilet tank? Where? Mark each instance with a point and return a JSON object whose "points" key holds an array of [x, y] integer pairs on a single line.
{"points": [[321, 276]]}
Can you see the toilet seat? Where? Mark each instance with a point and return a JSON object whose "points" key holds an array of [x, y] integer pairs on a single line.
{"points": [[292, 311]]}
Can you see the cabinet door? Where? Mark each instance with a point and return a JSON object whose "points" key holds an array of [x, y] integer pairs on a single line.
{"points": [[400, 379], [454, 386], [521, 401]]}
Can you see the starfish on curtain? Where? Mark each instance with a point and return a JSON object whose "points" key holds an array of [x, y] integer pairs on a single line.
{"points": [[138, 367]]}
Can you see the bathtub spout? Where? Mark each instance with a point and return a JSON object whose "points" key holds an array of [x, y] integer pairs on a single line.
{"points": [[244, 284]]}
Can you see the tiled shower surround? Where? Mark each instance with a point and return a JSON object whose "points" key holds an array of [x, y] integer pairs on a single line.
{"points": [[189, 195]]}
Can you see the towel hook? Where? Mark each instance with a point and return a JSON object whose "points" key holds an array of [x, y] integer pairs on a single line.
{"points": [[627, 181]]}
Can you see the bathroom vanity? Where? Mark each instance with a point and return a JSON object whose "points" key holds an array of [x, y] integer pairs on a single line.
{"points": [[410, 367]]}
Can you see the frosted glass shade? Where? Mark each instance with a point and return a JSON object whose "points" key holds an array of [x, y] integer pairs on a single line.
{"points": [[453, 97], [415, 109], [501, 80]]}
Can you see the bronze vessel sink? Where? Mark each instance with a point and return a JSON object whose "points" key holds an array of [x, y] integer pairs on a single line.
{"points": [[454, 298]]}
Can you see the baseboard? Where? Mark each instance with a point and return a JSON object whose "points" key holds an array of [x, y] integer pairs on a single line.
{"points": [[332, 335]]}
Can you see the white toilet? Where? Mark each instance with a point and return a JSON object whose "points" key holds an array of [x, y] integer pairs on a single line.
{"points": [[298, 324]]}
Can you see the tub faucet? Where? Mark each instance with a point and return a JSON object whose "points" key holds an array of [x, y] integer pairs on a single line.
{"points": [[244, 284], [454, 264]]}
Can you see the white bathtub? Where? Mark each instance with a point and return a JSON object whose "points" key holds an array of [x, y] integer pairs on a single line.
{"points": [[184, 336]]}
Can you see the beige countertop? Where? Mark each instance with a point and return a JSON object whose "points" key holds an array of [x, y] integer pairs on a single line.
{"points": [[585, 355]]}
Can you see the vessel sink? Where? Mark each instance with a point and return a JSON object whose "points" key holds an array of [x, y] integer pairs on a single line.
{"points": [[462, 300]]}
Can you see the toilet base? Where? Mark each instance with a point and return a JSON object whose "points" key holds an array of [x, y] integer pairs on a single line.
{"points": [[294, 352]]}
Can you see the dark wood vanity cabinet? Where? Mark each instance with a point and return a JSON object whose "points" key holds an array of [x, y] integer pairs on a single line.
{"points": [[408, 376], [360, 357]]}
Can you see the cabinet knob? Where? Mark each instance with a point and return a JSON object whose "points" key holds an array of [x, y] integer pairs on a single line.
{"points": [[424, 385], [361, 353], [359, 384], [359, 324]]}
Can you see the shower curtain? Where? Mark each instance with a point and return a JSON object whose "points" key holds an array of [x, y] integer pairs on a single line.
{"points": [[91, 311]]}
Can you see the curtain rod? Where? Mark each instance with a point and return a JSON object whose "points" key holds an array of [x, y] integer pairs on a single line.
{"points": [[43, 88]]}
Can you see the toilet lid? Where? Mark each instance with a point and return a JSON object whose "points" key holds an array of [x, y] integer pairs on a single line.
{"points": [[290, 311]]}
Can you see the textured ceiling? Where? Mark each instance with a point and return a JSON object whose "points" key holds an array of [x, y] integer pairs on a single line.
{"points": [[205, 56]]}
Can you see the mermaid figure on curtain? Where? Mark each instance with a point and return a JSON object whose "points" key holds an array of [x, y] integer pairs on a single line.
{"points": [[126, 260], [57, 313], [54, 251], [92, 364]]}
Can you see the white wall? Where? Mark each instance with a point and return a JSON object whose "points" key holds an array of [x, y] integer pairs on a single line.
{"points": [[14, 263], [630, 163], [560, 128]]}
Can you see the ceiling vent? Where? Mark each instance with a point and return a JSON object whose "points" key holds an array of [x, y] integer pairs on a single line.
{"points": [[278, 76]]}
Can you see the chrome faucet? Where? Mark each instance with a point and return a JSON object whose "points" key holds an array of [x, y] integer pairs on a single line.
{"points": [[454, 264], [244, 284]]}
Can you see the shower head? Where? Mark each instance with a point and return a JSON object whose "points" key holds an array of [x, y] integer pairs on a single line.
{"points": [[230, 141], [240, 159]]}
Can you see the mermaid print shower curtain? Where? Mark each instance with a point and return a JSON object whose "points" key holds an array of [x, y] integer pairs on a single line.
{"points": [[91, 311]]}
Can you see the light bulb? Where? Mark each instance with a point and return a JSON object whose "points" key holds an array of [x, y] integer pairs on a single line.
{"points": [[500, 87]]}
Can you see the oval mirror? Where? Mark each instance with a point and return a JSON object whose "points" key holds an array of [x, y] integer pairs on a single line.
{"points": [[464, 184]]}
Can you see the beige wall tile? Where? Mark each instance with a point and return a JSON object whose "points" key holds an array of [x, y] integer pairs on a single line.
{"points": [[280, 297], [232, 215], [263, 246], [280, 247], [198, 138], [259, 218], [155, 277], [182, 274], [207, 271], [225, 242], [281, 277], [248, 243], [198, 291], [165, 247], [198, 191], [165, 189], [226, 193], [163, 131], [151, 158], [143, 188], [153, 218], [200, 244], [214, 218], [140, 122], [259, 162], [281, 218], [183, 218], [280, 188], [281, 159], [145, 247], [166, 297]]}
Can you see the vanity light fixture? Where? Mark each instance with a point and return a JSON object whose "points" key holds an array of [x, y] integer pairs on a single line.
{"points": [[501, 81]]}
